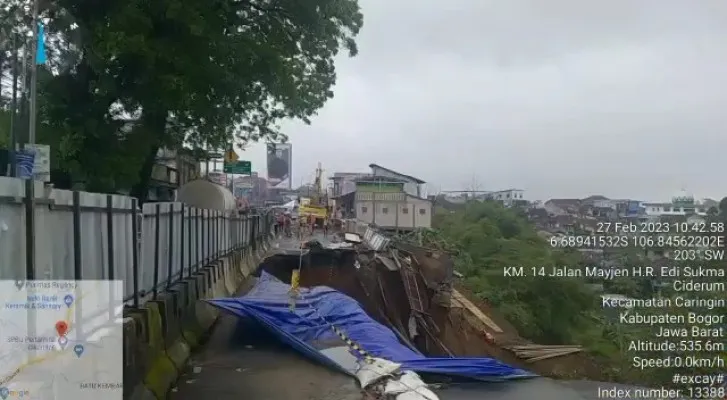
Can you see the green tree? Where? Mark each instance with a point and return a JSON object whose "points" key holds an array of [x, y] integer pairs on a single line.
{"points": [[4, 128], [723, 206], [486, 238], [193, 72]]}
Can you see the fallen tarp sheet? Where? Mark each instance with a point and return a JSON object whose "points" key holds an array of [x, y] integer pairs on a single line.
{"points": [[319, 308]]}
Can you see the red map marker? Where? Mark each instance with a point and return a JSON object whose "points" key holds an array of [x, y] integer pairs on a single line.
{"points": [[61, 328]]}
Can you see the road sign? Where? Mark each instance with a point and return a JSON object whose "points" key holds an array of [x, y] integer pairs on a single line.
{"points": [[231, 156], [237, 167]]}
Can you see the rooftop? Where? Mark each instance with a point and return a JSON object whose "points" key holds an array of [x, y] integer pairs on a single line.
{"points": [[379, 179], [343, 175], [409, 177]]}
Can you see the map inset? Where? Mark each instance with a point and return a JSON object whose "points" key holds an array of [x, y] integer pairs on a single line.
{"points": [[61, 340]]}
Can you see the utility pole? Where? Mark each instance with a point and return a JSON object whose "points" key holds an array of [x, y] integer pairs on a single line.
{"points": [[34, 76], [30, 185], [14, 107]]}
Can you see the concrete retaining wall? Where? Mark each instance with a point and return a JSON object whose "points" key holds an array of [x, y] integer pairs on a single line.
{"points": [[160, 335]]}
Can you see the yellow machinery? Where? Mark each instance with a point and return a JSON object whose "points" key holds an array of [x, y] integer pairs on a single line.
{"points": [[317, 206]]}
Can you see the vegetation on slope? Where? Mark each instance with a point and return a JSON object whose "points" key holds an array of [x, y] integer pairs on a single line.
{"points": [[486, 238]]}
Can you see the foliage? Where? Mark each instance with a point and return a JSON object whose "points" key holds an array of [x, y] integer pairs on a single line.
{"points": [[4, 128], [130, 77], [486, 238], [491, 239], [723, 207]]}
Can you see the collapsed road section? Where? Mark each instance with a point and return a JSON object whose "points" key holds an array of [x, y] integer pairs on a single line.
{"points": [[388, 315], [329, 326]]}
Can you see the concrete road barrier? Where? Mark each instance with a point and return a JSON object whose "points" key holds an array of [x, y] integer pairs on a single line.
{"points": [[161, 373], [136, 349], [160, 335]]}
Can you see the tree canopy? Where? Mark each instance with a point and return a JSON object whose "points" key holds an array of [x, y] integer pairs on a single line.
{"points": [[486, 238], [125, 78]]}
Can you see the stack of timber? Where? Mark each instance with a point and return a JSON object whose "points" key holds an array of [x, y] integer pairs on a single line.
{"points": [[537, 352]]}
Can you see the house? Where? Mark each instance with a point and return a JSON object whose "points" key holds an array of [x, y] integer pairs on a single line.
{"points": [[562, 206], [385, 198], [344, 182], [682, 203], [171, 170], [509, 197], [383, 201], [412, 185]]}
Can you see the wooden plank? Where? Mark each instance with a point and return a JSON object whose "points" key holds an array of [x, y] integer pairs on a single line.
{"points": [[458, 300]]}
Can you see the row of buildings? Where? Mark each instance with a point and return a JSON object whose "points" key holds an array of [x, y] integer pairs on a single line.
{"points": [[681, 204], [508, 197], [565, 215]]}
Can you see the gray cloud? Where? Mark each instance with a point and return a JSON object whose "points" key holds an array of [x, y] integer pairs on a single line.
{"points": [[561, 98]]}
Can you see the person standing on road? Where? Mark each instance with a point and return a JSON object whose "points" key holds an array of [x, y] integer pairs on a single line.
{"points": [[287, 222], [312, 223], [280, 224]]}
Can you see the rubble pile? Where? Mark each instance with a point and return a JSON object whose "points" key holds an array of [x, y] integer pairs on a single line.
{"points": [[413, 284]]}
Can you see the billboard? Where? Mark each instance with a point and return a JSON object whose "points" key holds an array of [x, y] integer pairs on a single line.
{"points": [[280, 165]]}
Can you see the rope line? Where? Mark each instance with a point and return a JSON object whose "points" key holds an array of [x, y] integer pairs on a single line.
{"points": [[351, 344]]}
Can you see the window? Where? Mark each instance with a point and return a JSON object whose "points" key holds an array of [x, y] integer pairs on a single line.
{"points": [[422, 211], [405, 210], [384, 210], [364, 209]]}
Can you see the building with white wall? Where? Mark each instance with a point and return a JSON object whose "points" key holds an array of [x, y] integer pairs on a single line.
{"points": [[682, 203], [383, 201], [384, 197], [412, 185], [509, 197]]}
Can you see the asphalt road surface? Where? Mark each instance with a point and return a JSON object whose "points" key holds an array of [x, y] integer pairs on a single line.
{"points": [[240, 362]]}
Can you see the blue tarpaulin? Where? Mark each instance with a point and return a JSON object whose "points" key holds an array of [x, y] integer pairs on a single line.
{"points": [[318, 308]]}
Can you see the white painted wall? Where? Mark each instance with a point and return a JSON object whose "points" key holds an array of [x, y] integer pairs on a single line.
{"points": [[413, 213], [55, 242]]}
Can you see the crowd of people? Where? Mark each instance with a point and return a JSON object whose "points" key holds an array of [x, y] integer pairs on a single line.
{"points": [[290, 222]]}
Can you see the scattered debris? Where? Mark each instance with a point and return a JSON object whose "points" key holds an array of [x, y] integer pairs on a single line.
{"points": [[536, 352], [380, 378]]}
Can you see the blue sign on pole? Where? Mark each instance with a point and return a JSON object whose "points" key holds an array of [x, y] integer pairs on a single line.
{"points": [[25, 163]]}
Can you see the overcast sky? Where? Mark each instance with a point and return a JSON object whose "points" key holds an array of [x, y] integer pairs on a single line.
{"points": [[561, 98]]}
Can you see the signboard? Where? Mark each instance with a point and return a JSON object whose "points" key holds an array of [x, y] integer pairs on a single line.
{"points": [[41, 169], [231, 156], [237, 167], [280, 165], [242, 191], [217, 177], [34, 160], [318, 212]]}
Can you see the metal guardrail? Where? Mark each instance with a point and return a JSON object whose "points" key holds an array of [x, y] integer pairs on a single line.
{"points": [[92, 236], [375, 240]]}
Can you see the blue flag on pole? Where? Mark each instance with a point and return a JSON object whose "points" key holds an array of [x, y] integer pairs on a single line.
{"points": [[40, 53]]}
